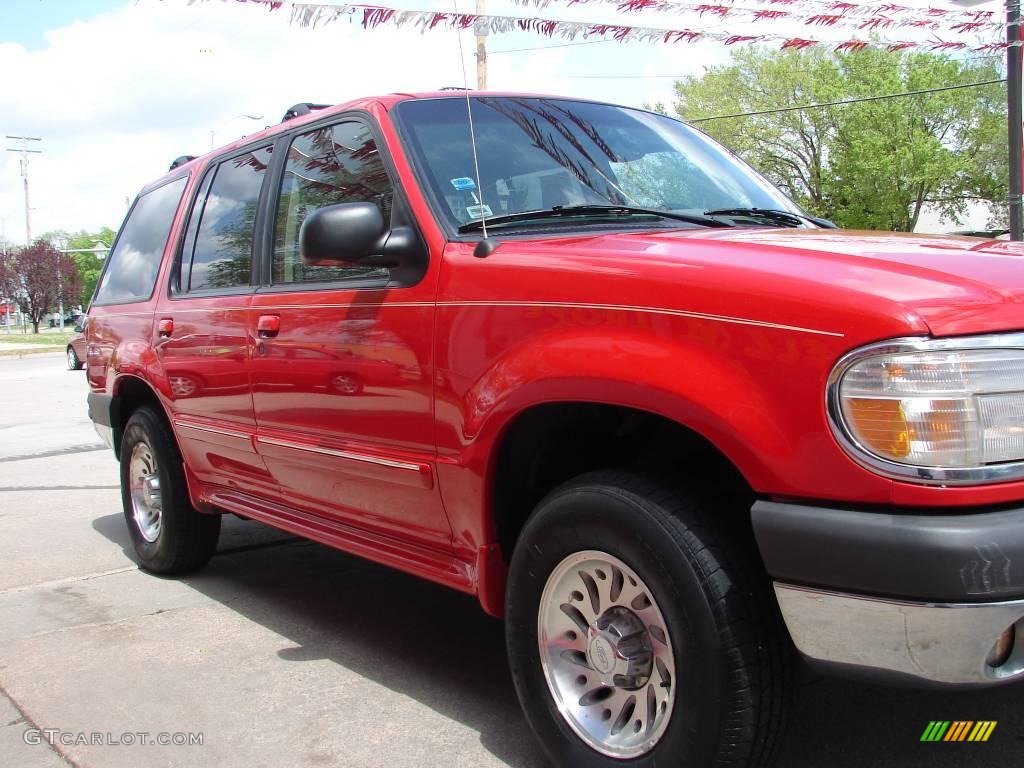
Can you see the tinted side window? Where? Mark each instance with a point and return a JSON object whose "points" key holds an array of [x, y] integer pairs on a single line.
{"points": [[336, 164], [131, 269], [221, 255]]}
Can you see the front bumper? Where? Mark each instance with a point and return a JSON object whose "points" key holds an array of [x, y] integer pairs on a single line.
{"points": [[922, 596], [945, 643]]}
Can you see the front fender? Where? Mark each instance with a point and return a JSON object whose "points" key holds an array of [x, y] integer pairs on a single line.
{"points": [[755, 393], [716, 396]]}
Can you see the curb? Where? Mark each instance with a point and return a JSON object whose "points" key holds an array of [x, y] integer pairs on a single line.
{"points": [[24, 352]]}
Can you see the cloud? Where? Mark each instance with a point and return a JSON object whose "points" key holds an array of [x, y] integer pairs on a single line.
{"points": [[116, 98], [120, 95]]}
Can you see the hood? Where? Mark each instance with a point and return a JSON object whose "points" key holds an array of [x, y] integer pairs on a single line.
{"points": [[953, 285], [957, 285]]}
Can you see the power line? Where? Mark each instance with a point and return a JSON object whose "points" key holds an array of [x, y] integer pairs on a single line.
{"points": [[619, 77], [849, 101], [559, 45]]}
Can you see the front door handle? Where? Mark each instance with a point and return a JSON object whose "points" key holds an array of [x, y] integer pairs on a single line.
{"points": [[268, 326], [165, 328]]}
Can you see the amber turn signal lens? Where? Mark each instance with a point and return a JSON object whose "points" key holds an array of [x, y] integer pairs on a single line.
{"points": [[880, 425], [956, 406]]}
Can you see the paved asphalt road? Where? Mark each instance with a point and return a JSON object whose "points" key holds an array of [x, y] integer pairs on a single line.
{"points": [[286, 653]]}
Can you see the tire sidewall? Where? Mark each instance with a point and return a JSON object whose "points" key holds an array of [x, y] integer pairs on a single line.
{"points": [[72, 358], [138, 430], [600, 519]]}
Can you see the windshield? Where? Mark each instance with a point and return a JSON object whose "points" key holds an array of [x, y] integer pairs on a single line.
{"points": [[538, 153]]}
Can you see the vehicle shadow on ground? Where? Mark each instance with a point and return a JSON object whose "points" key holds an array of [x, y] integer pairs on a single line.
{"points": [[421, 640], [437, 647]]}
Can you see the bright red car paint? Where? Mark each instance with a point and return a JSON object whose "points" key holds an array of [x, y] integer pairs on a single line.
{"points": [[407, 393]]}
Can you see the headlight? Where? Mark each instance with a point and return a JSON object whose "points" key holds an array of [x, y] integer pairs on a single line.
{"points": [[947, 411]]}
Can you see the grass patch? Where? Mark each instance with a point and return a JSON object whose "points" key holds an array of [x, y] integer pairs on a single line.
{"points": [[43, 339]]}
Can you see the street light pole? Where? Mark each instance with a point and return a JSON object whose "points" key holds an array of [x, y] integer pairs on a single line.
{"points": [[236, 117], [1014, 127], [63, 243], [480, 32], [1015, 130]]}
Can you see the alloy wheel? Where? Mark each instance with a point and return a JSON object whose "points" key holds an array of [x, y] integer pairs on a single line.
{"points": [[606, 654], [147, 502]]}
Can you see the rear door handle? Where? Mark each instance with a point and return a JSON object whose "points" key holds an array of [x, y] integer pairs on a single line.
{"points": [[268, 326], [165, 328]]}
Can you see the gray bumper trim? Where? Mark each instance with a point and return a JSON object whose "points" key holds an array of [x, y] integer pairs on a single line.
{"points": [[938, 642], [956, 557]]}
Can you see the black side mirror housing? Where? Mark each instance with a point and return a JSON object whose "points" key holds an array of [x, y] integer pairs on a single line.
{"points": [[356, 233]]}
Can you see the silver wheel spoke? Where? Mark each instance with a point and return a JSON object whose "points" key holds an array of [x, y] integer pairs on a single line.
{"points": [[146, 496], [606, 653]]}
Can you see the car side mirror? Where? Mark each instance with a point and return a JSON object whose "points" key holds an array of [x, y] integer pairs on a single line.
{"points": [[350, 234]]}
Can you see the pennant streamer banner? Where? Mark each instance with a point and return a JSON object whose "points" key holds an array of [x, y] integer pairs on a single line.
{"points": [[375, 16], [814, 13]]}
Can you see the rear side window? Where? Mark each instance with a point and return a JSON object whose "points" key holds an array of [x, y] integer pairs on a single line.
{"points": [[218, 247], [131, 269]]}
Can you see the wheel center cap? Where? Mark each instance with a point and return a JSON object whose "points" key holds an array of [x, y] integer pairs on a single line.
{"points": [[602, 655], [618, 649]]}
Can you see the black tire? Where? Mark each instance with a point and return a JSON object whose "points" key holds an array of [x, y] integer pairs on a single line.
{"points": [[186, 539], [74, 364], [735, 664]]}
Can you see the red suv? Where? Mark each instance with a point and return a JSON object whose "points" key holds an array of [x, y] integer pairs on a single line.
{"points": [[580, 361]]}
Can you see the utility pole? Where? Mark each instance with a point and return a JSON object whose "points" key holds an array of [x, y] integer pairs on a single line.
{"points": [[1015, 131], [25, 151], [480, 31]]}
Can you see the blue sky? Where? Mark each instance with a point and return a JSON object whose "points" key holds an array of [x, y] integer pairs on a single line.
{"points": [[25, 21], [117, 89], [127, 86]]}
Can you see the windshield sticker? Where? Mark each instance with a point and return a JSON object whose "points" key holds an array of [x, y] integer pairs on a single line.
{"points": [[463, 184], [478, 211]]}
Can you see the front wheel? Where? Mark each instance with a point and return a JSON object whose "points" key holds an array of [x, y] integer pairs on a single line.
{"points": [[638, 633], [168, 534]]}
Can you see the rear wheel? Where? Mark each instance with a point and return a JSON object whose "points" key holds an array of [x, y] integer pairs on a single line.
{"points": [[74, 363], [168, 534], [640, 634]]}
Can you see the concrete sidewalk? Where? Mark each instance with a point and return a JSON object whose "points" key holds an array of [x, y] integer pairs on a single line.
{"points": [[286, 653]]}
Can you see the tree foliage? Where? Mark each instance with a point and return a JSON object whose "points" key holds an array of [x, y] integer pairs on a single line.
{"points": [[867, 165], [89, 265], [38, 277]]}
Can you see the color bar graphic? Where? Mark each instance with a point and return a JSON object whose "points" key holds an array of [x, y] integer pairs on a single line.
{"points": [[982, 730], [935, 731], [958, 730]]}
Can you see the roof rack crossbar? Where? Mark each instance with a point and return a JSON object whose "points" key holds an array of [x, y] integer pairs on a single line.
{"points": [[180, 161], [300, 109]]}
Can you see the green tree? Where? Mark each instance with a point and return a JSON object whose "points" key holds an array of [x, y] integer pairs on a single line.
{"points": [[37, 277], [88, 265], [870, 165]]}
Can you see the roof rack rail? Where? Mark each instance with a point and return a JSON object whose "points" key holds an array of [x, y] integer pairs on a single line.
{"points": [[181, 160], [300, 109], [454, 88]]}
